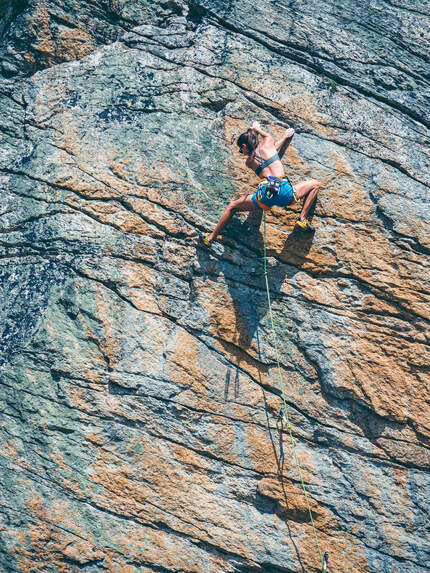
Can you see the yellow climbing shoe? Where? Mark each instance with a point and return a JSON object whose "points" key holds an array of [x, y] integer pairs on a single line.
{"points": [[204, 238], [304, 226]]}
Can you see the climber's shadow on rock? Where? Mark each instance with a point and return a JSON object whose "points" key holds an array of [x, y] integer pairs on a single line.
{"points": [[287, 263], [297, 247], [298, 243], [231, 393], [247, 289], [244, 278], [253, 221]]}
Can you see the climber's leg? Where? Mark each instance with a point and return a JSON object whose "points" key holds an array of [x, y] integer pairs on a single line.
{"points": [[306, 192], [241, 204]]}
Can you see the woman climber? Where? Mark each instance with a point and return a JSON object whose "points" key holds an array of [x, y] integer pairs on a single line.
{"points": [[275, 188]]}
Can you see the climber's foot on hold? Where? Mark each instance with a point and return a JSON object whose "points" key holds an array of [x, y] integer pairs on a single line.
{"points": [[204, 239], [304, 226]]}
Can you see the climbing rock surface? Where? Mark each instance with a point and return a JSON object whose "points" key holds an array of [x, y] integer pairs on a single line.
{"points": [[139, 391]]}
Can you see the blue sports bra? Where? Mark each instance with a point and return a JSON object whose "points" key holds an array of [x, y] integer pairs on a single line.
{"points": [[265, 162]]}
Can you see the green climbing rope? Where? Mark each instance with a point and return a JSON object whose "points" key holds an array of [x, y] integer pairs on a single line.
{"points": [[284, 401]]}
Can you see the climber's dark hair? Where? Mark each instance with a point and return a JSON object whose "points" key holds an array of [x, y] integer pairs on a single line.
{"points": [[249, 138]]}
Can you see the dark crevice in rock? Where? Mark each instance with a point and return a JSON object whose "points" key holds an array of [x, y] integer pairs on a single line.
{"points": [[82, 565], [110, 285], [116, 388], [264, 567], [196, 13], [32, 219], [9, 10], [61, 20], [215, 106], [151, 567], [112, 10]]}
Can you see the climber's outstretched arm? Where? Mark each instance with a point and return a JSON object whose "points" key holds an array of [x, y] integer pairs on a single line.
{"points": [[282, 144], [257, 128]]}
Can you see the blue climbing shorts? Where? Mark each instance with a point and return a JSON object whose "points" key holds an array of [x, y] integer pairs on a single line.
{"points": [[265, 199]]}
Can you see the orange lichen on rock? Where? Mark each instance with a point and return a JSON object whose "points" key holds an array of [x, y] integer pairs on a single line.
{"points": [[52, 525]]}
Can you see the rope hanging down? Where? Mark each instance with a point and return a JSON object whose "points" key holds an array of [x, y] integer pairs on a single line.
{"points": [[284, 408]]}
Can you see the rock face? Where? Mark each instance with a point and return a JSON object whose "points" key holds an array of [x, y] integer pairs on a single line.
{"points": [[139, 389]]}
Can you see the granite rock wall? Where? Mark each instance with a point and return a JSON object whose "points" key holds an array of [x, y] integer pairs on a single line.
{"points": [[139, 391]]}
